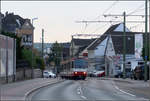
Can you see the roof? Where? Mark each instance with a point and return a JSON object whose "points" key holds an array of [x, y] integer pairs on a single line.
{"points": [[66, 45], [99, 40], [82, 42], [10, 22], [80, 50], [117, 40]]}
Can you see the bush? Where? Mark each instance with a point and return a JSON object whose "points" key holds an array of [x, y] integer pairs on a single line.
{"points": [[27, 55], [40, 63]]}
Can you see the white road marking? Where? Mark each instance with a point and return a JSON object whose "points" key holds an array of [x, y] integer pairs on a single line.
{"points": [[123, 91], [84, 97], [79, 91], [127, 92]]}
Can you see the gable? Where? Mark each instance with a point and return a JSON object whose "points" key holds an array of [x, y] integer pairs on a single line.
{"points": [[100, 49], [120, 28], [110, 48], [27, 25]]}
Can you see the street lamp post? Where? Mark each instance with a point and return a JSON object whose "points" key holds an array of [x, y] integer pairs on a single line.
{"points": [[32, 74]]}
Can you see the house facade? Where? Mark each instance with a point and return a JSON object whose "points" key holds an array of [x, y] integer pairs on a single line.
{"points": [[114, 54], [78, 46], [107, 51], [19, 26]]}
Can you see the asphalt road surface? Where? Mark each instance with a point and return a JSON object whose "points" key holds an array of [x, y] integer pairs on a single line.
{"points": [[90, 89]]}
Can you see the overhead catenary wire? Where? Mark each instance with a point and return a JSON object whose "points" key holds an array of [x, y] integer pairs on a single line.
{"points": [[106, 10], [87, 24], [136, 9], [117, 35]]}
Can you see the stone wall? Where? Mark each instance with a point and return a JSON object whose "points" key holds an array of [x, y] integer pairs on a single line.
{"points": [[22, 74]]}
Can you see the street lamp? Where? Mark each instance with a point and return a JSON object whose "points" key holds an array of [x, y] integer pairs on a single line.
{"points": [[32, 46]]}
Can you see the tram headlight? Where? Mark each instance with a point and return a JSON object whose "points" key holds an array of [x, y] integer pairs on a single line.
{"points": [[84, 72]]}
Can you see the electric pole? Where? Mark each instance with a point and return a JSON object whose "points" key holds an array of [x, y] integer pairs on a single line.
{"points": [[72, 52], [124, 34], [145, 42], [149, 40], [42, 43], [124, 46]]}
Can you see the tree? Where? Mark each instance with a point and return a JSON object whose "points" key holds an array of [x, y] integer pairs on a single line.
{"points": [[55, 55], [40, 63]]}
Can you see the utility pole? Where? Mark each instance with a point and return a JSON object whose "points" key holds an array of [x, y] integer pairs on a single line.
{"points": [[149, 40], [145, 43], [72, 52], [32, 69], [124, 46], [42, 43]]}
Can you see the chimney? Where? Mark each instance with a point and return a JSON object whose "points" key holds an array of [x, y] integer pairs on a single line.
{"points": [[6, 13]]}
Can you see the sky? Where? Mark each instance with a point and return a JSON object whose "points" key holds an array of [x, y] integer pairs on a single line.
{"points": [[58, 18]]}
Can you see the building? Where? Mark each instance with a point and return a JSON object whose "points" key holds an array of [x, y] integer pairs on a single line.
{"points": [[21, 27], [78, 45], [65, 50], [1, 17], [107, 51]]}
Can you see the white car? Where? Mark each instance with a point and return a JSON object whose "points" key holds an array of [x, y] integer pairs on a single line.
{"points": [[99, 73], [48, 74]]}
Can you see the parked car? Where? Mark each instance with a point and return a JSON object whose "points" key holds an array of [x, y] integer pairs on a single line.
{"points": [[118, 74], [99, 73], [48, 74], [138, 73]]}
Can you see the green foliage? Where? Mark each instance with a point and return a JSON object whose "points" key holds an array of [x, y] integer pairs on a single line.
{"points": [[56, 52], [40, 63], [37, 61], [12, 35], [25, 54]]}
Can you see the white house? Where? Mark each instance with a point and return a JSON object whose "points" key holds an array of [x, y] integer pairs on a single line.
{"points": [[108, 49]]}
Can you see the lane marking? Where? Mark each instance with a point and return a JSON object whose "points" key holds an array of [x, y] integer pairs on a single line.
{"points": [[80, 92], [84, 97], [141, 98], [124, 91]]}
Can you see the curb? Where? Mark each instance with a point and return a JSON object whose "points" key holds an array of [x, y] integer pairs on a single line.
{"points": [[34, 89], [124, 81]]}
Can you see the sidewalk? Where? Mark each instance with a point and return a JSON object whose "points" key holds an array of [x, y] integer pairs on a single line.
{"points": [[19, 90], [137, 83], [136, 87]]}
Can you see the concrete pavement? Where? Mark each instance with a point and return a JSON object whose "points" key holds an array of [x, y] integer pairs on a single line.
{"points": [[135, 87], [19, 90], [89, 89]]}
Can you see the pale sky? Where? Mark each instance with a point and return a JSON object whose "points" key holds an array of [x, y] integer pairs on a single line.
{"points": [[58, 18]]}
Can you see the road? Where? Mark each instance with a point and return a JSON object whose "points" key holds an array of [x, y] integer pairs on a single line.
{"points": [[90, 89]]}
